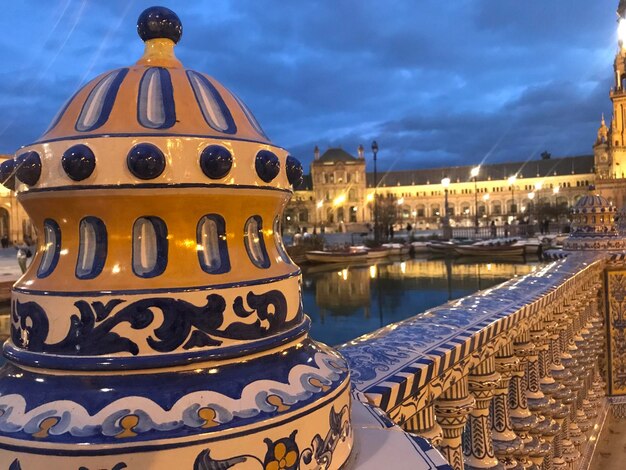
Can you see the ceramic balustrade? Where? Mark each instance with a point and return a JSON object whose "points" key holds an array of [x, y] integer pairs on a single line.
{"points": [[500, 379]]}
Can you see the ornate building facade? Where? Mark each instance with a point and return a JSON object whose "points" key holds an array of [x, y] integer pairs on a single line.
{"points": [[14, 223], [338, 194]]}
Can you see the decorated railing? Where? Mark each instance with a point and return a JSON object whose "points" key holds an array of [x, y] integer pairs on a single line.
{"points": [[511, 377]]}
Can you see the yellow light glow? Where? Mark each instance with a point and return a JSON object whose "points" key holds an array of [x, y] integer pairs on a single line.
{"points": [[486, 197], [320, 204], [188, 243], [488, 266], [339, 199], [344, 274], [511, 180], [373, 271], [475, 171], [621, 31], [116, 269], [556, 190], [403, 267], [400, 201], [531, 196], [539, 185], [370, 197]]}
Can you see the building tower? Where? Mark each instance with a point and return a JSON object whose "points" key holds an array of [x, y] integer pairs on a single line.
{"points": [[617, 135], [601, 152]]}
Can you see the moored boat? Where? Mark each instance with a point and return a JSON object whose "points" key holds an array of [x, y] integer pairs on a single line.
{"points": [[532, 246], [397, 248], [420, 247], [377, 253], [491, 250], [337, 256], [447, 248]]}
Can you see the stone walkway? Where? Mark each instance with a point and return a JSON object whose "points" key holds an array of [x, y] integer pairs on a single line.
{"points": [[610, 451]]}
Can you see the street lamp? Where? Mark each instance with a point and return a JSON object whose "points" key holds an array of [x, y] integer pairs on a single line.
{"points": [[445, 182], [376, 231], [485, 199], [474, 175], [555, 191], [531, 197], [511, 181]]}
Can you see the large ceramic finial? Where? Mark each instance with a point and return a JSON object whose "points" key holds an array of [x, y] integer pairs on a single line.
{"points": [[159, 23], [160, 28]]}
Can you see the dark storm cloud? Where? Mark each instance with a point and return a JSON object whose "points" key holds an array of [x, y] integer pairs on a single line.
{"points": [[434, 82]]}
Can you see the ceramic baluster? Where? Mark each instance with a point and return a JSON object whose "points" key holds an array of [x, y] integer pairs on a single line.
{"points": [[505, 442], [424, 424], [451, 410], [477, 440], [538, 448]]}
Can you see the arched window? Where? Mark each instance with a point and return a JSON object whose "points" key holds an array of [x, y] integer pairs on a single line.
{"points": [[212, 248], [149, 246], [352, 213], [340, 214], [255, 245], [278, 239], [51, 248], [92, 249]]}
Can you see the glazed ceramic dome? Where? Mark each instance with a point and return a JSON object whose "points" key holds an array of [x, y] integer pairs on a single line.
{"points": [[593, 225], [148, 103], [161, 309], [593, 215]]}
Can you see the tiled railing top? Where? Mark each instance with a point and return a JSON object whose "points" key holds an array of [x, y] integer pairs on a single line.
{"points": [[394, 362]]}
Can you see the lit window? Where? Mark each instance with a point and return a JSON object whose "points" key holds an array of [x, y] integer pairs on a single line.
{"points": [[51, 248], [149, 246], [92, 250], [278, 239], [212, 249], [253, 235]]}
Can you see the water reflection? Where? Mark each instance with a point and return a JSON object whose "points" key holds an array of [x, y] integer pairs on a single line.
{"points": [[347, 301]]}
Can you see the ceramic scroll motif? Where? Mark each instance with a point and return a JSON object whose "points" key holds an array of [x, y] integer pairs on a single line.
{"points": [[183, 324]]}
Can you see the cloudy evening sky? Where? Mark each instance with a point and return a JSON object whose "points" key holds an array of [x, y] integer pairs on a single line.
{"points": [[434, 82]]}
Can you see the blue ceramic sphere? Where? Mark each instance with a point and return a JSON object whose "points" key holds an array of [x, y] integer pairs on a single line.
{"points": [[7, 174], [267, 165], [28, 168], [78, 162], [216, 161], [159, 22], [294, 171], [145, 161]]}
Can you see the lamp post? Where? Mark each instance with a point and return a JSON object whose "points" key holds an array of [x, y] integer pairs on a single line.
{"points": [[555, 191], [531, 197], [511, 181], [531, 211], [447, 232], [474, 175], [376, 228]]}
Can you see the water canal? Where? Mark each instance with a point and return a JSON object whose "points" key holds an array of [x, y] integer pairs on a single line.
{"points": [[345, 302]]}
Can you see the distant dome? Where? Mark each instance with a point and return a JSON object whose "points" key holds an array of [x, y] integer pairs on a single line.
{"points": [[593, 224], [592, 203]]}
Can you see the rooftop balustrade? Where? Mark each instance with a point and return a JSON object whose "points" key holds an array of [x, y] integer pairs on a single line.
{"points": [[510, 377]]}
